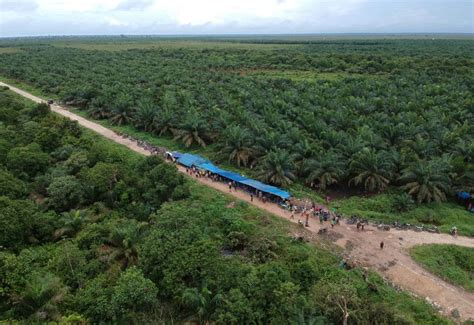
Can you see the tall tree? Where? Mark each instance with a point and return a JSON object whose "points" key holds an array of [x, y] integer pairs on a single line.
{"points": [[193, 130], [237, 145], [202, 302], [427, 181], [145, 114], [371, 169], [120, 248], [325, 170], [277, 168]]}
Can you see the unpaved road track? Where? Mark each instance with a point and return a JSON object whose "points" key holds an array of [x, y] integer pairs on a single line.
{"points": [[393, 262]]}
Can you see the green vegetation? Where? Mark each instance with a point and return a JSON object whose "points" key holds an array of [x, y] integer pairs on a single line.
{"points": [[396, 206], [388, 113], [92, 232], [452, 263]]}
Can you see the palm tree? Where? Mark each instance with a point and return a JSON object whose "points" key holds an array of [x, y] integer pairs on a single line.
{"points": [[371, 169], [351, 146], [121, 112], [423, 148], [72, 223], [394, 134], [121, 245], [303, 152], [277, 168], [326, 170], [192, 130], [120, 115], [427, 181], [164, 122], [269, 141], [203, 303], [41, 296], [98, 108], [465, 149], [144, 115], [237, 145]]}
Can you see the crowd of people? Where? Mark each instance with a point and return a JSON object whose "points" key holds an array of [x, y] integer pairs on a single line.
{"points": [[154, 150], [315, 211], [232, 185]]}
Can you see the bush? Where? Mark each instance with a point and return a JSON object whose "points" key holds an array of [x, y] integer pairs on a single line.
{"points": [[402, 202], [27, 161], [11, 186], [64, 193]]}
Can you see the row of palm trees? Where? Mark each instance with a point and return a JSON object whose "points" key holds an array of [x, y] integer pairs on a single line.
{"points": [[368, 160], [365, 131]]}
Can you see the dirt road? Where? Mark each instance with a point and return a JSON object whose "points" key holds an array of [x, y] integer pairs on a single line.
{"points": [[393, 262]]}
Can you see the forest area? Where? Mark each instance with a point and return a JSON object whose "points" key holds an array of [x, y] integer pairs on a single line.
{"points": [[93, 233]]}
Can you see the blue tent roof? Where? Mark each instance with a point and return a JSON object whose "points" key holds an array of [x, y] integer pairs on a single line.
{"points": [[224, 173], [464, 195], [266, 188], [244, 180], [176, 154], [210, 167], [190, 160]]}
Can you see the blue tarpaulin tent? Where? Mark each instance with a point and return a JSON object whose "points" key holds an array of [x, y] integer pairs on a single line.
{"points": [[464, 195], [266, 188], [210, 167], [190, 160], [244, 180]]}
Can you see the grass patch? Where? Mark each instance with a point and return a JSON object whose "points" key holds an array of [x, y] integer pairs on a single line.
{"points": [[452, 263], [380, 207]]}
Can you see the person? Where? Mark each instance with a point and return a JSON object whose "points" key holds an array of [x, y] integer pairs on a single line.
{"points": [[454, 231], [358, 225], [230, 186], [381, 244], [251, 197], [321, 219]]}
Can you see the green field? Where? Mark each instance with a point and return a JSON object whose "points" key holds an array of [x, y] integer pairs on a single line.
{"points": [[452, 263]]}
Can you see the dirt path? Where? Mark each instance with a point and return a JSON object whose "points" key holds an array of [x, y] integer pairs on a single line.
{"points": [[393, 262]]}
